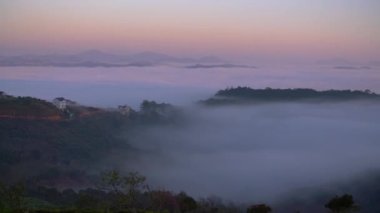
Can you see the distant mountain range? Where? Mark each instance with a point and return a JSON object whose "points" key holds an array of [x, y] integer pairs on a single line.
{"points": [[341, 63], [352, 67], [212, 66], [336, 62], [96, 58]]}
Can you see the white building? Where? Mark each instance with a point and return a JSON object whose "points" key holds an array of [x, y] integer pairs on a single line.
{"points": [[125, 110], [62, 103]]}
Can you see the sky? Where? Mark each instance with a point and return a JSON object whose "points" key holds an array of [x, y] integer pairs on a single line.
{"points": [[230, 28]]}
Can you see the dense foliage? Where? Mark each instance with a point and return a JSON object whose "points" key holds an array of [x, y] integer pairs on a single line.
{"points": [[115, 192], [27, 107], [65, 151], [344, 203], [249, 95]]}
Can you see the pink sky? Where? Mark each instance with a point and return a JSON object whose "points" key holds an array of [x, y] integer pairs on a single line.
{"points": [[241, 28]]}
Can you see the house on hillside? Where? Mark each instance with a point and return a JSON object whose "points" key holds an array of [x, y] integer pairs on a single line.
{"points": [[62, 103], [125, 110]]}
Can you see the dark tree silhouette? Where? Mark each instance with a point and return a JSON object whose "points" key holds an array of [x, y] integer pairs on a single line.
{"points": [[248, 95], [342, 204], [186, 203], [11, 198], [260, 208]]}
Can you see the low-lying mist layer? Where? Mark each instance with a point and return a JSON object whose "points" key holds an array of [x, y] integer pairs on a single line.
{"points": [[259, 152]]}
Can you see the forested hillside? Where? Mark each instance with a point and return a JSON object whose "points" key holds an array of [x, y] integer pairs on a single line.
{"points": [[54, 158], [244, 95]]}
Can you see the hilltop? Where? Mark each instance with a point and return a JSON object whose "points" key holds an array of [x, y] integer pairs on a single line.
{"points": [[60, 142], [28, 108], [246, 95], [37, 109]]}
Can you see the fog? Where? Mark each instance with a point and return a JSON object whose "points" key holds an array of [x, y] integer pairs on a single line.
{"points": [[254, 153], [109, 87], [259, 152]]}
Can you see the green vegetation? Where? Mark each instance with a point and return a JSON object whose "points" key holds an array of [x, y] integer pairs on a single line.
{"points": [[342, 204], [116, 192], [27, 107], [11, 197], [241, 95], [260, 208], [152, 112], [57, 151], [57, 160], [41, 150]]}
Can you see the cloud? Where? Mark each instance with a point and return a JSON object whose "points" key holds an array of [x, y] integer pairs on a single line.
{"points": [[261, 152]]}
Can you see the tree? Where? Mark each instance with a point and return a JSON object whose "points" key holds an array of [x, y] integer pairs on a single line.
{"points": [[111, 181], [163, 200], [11, 197], [133, 183], [186, 203], [342, 204], [123, 189], [259, 208]]}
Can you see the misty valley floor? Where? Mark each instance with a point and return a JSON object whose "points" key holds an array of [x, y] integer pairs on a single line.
{"points": [[287, 154], [262, 151]]}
